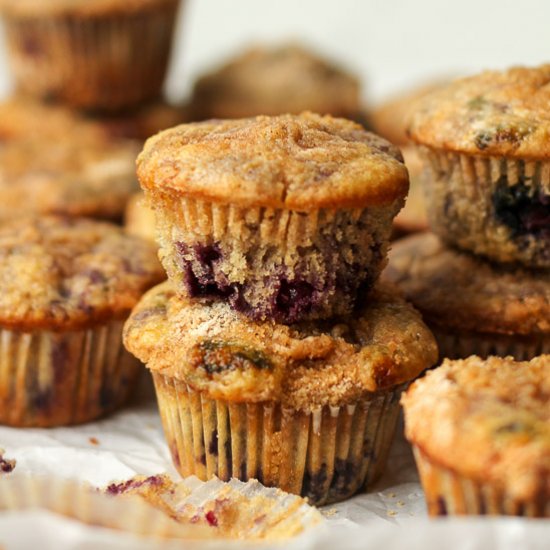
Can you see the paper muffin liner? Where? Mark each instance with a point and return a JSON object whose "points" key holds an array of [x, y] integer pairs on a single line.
{"points": [[449, 493], [457, 345], [190, 509], [98, 62], [473, 204], [58, 378], [273, 263], [326, 455]]}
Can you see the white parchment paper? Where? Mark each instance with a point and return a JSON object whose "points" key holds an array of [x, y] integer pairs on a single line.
{"points": [[391, 515]]}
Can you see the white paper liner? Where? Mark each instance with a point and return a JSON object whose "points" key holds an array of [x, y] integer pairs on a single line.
{"points": [[255, 512]]}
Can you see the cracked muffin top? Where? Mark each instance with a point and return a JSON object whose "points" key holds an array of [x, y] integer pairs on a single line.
{"points": [[61, 273], [300, 162], [32, 8], [221, 352], [273, 81], [457, 290], [494, 113], [489, 420]]}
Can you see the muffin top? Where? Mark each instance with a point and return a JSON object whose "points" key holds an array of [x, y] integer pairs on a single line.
{"points": [[494, 113], [52, 161], [300, 162], [488, 420], [61, 273], [219, 351], [454, 289], [32, 8], [273, 81]]}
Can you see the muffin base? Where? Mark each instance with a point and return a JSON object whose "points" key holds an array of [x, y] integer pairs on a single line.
{"points": [[107, 62], [493, 207], [448, 493], [326, 455], [457, 345], [61, 378], [270, 263]]}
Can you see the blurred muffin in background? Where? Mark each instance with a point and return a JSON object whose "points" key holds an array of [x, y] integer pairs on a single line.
{"points": [[102, 55], [139, 218], [54, 161], [413, 217], [273, 80], [390, 120]]}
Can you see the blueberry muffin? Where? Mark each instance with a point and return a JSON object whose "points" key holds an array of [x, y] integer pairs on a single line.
{"points": [[273, 81], [93, 54], [480, 430], [139, 218], [471, 305], [413, 218], [67, 287], [285, 217], [53, 161], [310, 408], [484, 141]]}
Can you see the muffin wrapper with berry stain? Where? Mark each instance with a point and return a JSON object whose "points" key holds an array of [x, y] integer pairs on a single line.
{"points": [[104, 62], [326, 455], [61, 378], [454, 344], [449, 493], [270, 263], [492, 206]]}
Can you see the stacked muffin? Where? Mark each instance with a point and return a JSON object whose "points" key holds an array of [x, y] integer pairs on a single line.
{"points": [[484, 288], [275, 354]]}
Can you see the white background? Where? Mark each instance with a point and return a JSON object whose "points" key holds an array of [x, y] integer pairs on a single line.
{"points": [[390, 43]]}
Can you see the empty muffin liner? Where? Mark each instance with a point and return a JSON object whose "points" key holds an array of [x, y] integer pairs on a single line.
{"points": [[326, 455], [58, 378], [273, 263], [98, 62], [188, 509], [477, 204], [449, 493], [457, 345]]}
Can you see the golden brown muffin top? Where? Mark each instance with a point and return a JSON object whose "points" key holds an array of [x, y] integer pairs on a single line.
{"points": [[300, 162], [457, 290], [221, 352], [486, 419], [276, 80], [36, 8], [60, 273], [494, 113]]}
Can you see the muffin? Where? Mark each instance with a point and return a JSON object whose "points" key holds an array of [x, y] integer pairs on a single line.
{"points": [[310, 408], [471, 305], [276, 80], [484, 141], [67, 287], [93, 54], [285, 217], [480, 431], [139, 219], [62, 164], [413, 218]]}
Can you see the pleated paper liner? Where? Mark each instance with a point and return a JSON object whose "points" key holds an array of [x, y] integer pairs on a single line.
{"points": [[333, 251], [60, 378], [459, 345], [461, 191], [326, 456], [108, 62], [448, 493], [190, 509]]}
